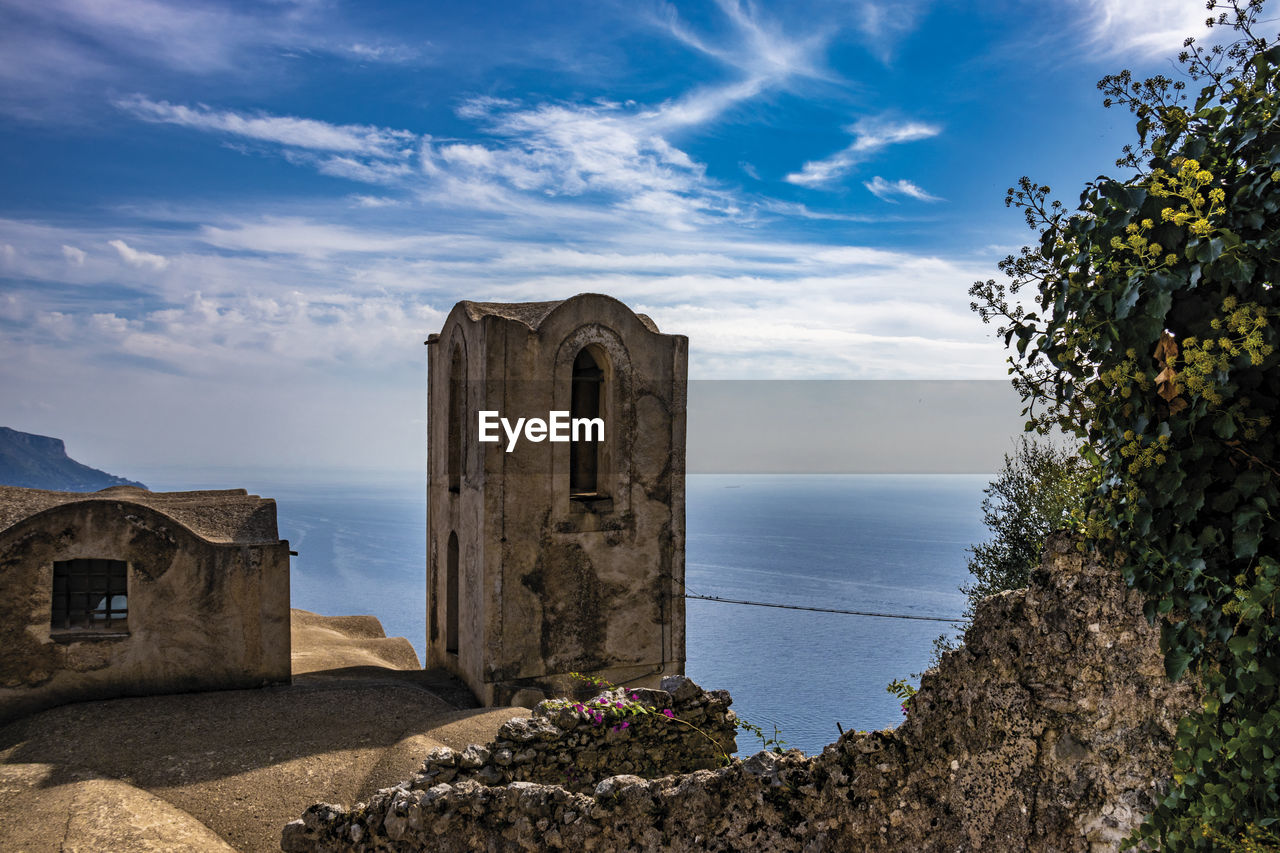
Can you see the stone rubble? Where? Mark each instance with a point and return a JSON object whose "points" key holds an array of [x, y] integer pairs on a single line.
{"points": [[562, 744], [1050, 730]]}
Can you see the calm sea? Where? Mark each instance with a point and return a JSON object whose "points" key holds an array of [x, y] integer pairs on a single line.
{"points": [[882, 543]]}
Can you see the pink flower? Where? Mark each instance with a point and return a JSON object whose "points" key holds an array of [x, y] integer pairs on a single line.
{"points": [[668, 713], [618, 704]]}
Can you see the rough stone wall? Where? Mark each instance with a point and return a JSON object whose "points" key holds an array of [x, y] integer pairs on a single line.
{"points": [[1049, 731], [577, 745]]}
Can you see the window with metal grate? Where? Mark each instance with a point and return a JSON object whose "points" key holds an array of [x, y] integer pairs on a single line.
{"points": [[90, 595]]}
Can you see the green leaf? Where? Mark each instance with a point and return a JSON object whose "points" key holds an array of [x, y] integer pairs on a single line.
{"points": [[1241, 645], [1127, 300], [1245, 543], [1175, 662], [1157, 307]]}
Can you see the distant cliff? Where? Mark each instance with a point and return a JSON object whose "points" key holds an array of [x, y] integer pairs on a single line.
{"points": [[40, 462]]}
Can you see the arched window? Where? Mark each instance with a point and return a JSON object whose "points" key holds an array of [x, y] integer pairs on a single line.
{"points": [[586, 402], [451, 597], [457, 414]]}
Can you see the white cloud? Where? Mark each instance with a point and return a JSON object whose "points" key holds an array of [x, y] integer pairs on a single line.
{"points": [[290, 131], [547, 150], [57, 54], [1149, 27], [376, 201], [312, 293], [187, 36], [761, 50], [884, 24], [888, 189], [766, 57], [307, 238], [617, 158], [365, 171], [396, 54], [869, 136], [74, 256], [136, 258], [613, 154]]}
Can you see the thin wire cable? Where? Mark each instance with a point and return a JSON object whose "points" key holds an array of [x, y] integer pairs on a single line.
{"points": [[820, 609]]}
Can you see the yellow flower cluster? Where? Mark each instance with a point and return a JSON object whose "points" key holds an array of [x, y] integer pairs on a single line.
{"points": [[1254, 839], [1241, 330], [1239, 595], [1188, 184], [1143, 453], [1150, 255], [1125, 375]]}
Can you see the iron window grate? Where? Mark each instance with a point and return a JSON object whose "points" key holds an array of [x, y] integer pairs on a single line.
{"points": [[90, 595]]}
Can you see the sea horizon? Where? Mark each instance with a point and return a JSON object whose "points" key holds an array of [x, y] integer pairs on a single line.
{"points": [[883, 543]]}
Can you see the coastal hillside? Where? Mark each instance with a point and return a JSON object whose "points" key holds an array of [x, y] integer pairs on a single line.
{"points": [[41, 462]]}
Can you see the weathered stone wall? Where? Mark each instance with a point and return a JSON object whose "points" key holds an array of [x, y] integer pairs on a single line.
{"points": [[207, 610], [578, 744], [1049, 731]]}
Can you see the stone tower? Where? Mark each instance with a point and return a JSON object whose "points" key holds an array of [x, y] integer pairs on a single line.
{"points": [[553, 548]]}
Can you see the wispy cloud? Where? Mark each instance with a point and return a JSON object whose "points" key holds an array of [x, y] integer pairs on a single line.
{"points": [[135, 258], [62, 55], [764, 55], [74, 256], [869, 137], [888, 189], [759, 48], [190, 36], [572, 149], [377, 201], [539, 156], [615, 153], [284, 130], [397, 54], [306, 289], [885, 24], [1149, 27], [625, 152]]}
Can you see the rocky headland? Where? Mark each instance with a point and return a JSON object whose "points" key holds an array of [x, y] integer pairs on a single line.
{"points": [[40, 462]]}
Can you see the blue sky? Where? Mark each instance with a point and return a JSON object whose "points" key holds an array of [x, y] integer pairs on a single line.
{"points": [[226, 228]]}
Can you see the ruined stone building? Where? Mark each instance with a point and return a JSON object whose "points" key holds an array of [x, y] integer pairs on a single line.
{"points": [[130, 592], [551, 551]]}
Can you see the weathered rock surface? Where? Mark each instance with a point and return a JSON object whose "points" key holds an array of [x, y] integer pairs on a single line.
{"points": [[322, 643], [1048, 731]]}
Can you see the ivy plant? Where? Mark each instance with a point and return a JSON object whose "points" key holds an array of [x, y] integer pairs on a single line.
{"points": [[1143, 322]]}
